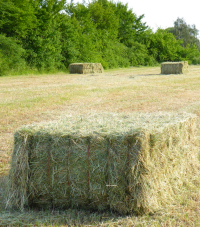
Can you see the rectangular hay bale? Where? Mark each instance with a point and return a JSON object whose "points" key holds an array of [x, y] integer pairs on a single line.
{"points": [[174, 67], [85, 68], [133, 163]]}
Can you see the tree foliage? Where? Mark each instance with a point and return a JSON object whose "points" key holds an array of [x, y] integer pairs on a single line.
{"points": [[17, 18], [11, 56], [185, 32], [188, 34], [48, 35], [163, 46]]}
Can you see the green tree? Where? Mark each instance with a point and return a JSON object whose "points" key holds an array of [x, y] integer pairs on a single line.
{"points": [[185, 32], [191, 54], [42, 43], [51, 34], [131, 28], [163, 46], [17, 18], [104, 17], [79, 35], [11, 56], [91, 34]]}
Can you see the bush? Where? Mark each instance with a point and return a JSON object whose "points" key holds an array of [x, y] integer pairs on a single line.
{"points": [[191, 54], [11, 56], [115, 55], [137, 54], [196, 61]]}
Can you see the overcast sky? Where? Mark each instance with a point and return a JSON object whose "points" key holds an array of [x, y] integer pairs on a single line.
{"points": [[159, 13]]}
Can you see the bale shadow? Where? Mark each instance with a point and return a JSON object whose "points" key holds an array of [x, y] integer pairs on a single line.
{"points": [[3, 183], [148, 74], [70, 217]]}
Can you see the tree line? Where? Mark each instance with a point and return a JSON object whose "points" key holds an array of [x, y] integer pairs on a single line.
{"points": [[48, 35]]}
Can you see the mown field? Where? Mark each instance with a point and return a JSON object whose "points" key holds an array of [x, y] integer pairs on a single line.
{"points": [[36, 98]]}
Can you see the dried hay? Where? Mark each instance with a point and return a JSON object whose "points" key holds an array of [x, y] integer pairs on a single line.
{"points": [[126, 163], [85, 68], [174, 67]]}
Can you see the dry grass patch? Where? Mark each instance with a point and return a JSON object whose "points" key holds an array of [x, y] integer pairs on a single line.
{"points": [[31, 99]]}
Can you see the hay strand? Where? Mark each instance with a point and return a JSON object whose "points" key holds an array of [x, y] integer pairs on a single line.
{"points": [[174, 67], [134, 163], [85, 68]]}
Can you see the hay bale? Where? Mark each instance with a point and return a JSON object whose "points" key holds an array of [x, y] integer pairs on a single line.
{"points": [[85, 68], [126, 163], [174, 67]]}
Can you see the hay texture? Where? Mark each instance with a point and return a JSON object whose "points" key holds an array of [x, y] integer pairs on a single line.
{"points": [[174, 67], [126, 163], [85, 68]]}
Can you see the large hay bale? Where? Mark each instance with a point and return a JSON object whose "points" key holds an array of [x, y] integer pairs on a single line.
{"points": [[174, 67], [126, 163], [85, 68]]}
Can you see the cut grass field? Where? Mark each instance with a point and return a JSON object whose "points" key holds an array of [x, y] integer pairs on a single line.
{"points": [[36, 98]]}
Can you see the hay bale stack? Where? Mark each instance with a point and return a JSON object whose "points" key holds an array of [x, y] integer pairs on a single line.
{"points": [[174, 67], [126, 163], [85, 68]]}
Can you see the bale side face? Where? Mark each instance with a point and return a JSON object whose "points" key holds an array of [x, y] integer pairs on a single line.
{"points": [[124, 168], [76, 68], [174, 67], [85, 68]]}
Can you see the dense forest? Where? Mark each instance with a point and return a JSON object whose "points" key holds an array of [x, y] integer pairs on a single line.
{"points": [[48, 35]]}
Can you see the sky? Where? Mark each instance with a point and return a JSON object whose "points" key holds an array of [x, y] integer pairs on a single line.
{"points": [[162, 14]]}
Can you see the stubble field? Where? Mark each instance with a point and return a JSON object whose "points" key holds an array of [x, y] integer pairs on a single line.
{"points": [[36, 98]]}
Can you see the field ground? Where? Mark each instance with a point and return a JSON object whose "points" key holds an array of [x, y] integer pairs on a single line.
{"points": [[30, 99]]}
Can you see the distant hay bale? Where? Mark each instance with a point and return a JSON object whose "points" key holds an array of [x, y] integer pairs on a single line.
{"points": [[134, 163], [174, 67], [85, 68]]}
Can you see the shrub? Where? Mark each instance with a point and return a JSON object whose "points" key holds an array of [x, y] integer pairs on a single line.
{"points": [[115, 55], [11, 56]]}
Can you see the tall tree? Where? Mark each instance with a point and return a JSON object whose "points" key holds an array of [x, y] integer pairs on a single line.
{"points": [[131, 27], [163, 46], [42, 43], [17, 18], [187, 33]]}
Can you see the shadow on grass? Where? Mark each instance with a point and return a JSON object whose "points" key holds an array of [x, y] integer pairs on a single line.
{"points": [[144, 75], [3, 180], [70, 217]]}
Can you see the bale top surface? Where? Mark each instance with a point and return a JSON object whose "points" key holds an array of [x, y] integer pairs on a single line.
{"points": [[109, 123], [174, 63]]}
